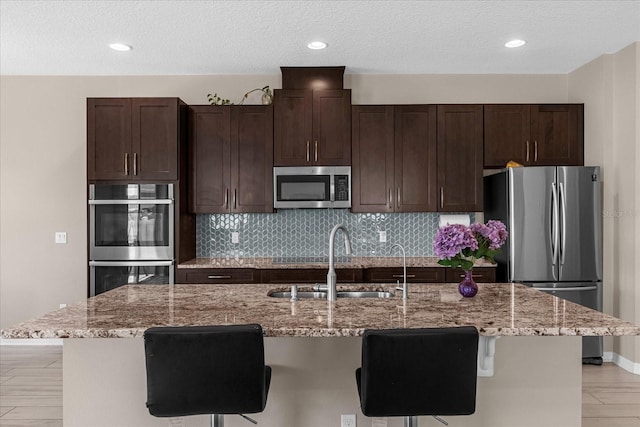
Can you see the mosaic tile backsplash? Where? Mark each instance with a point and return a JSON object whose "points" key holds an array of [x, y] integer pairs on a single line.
{"points": [[305, 233]]}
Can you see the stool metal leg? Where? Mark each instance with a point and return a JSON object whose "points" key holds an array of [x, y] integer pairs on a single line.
{"points": [[217, 420], [410, 421]]}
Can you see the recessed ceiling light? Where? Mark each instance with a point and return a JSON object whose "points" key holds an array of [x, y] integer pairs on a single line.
{"points": [[120, 46], [515, 43], [317, 45]]}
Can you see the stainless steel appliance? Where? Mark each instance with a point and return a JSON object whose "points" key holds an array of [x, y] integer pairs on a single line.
{"points": [[312, 187], [553, 215], [131, 235]]}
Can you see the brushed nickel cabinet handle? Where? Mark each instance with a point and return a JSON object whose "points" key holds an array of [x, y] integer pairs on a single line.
{"points": [[527, 150], [226, 198], [126, 163], [235, 198], [472, 275], [315, 152], [218, 277], [135, 163], [308, 153], [390, 199], [400, 276], [535, 151], [441, 197], [398, 196]]}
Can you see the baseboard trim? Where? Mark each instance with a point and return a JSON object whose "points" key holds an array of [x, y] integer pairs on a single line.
{"points": [[28, 341], [621, 361]]}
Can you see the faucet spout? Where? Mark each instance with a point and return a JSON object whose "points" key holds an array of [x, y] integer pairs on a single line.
{"points": [[405, 289], [331, 275]]}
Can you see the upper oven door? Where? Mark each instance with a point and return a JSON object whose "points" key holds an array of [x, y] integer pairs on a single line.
{"points": [[131, 222]]}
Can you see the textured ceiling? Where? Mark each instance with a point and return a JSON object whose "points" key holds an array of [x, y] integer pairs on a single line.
{"points": [[257, 37]]}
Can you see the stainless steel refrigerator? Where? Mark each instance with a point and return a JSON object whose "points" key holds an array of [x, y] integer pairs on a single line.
{"points": [[554, 219]]}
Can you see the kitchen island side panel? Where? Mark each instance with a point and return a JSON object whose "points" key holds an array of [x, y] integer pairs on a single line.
{"points": [[313, 383]]}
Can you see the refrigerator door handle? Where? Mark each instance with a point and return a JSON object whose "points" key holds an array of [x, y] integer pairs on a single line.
{"points": [[574, 289], [563, 215], [554, 224]]}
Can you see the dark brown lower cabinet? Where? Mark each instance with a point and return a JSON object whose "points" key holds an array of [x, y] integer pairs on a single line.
{"points": [[480, 275], [309, 275], [217, 275], [414, 274]]}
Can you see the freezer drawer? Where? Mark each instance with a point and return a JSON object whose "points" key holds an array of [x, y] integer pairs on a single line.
{"points": [[586, 294]]}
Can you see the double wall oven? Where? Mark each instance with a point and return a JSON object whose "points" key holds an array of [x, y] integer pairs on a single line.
{"points": [[131, 235]]}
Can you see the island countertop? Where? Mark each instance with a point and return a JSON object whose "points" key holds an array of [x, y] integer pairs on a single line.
{"points": [[497, 310]]}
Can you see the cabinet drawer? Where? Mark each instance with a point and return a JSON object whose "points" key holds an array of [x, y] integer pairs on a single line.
{"points": [[480, 275], [414, 274], [217, 275], [309, 275]]}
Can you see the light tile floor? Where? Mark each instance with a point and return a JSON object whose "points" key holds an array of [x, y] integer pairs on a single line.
{"points": [[31, 390]]}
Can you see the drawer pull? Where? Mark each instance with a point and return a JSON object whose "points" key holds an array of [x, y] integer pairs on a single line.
{"points": [[219, 277], [473, 275], [400, 276]]}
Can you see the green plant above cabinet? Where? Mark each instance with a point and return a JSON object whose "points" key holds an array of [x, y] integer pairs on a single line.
{"points": [[231, 155], [134, 138], [312, 127], [533, 134]]}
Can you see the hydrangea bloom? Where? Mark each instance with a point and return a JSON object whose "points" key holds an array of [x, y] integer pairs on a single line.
{"points": [[452, 239], [460, 246]]}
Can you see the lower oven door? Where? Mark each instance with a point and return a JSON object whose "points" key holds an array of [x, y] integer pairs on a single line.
{"points": [[107, 275]]}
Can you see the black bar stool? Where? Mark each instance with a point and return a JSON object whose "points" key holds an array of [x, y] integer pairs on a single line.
{"points": [[213, 370], [411, 372]]}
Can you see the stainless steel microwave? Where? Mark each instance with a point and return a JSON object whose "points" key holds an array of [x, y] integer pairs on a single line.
{"points": [[309, 187]]}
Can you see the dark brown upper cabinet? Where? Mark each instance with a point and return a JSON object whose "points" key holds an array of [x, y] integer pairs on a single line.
{"points": [[312, 127], [460, 158], [133, 138], [394, 158], [533, 135], [231, 153]]}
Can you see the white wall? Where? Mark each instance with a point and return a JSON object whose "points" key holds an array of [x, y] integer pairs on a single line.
{"points": [[43, 172], [609, 87]]}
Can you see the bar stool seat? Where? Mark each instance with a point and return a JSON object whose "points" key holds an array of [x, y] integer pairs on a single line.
{"points": [[411, 372], [212, 370]]}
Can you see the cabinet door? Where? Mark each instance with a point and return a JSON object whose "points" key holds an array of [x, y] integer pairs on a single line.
{"points": [[331, 128], [109, 138], [557, 133], [415, 158], [154, 139], [209, 146], [506, 134], [252, 159], [460, 158], [292, 127], [372, 170]]}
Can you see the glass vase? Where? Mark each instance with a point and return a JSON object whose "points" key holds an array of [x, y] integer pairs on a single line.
{"points": [[468, 287]]}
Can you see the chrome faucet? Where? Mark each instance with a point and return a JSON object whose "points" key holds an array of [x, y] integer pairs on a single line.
{"points": [[405, 289], [331, 275]]}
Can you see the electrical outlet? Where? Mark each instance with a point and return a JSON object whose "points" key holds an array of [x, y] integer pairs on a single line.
{"points": [[379, 422], [235, 237], [383, 236], [348, 420], [63, 305], [61, 237]]}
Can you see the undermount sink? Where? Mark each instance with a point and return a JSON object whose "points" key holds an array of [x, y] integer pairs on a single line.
{"points": [[301, 294], [340, 294]]}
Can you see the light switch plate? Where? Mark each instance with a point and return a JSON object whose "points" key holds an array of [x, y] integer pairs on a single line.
{"points": [[61, 237], [383, 236], [235, 237]]}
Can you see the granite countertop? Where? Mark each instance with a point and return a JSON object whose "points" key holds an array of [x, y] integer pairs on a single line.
{"points": [[497, 310], [314, 262]]}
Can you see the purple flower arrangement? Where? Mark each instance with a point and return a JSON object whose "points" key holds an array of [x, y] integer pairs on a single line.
{"points": [[460, 246]]}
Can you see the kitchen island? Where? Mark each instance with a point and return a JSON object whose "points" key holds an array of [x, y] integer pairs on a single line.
{"points": [[313, 347]]}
